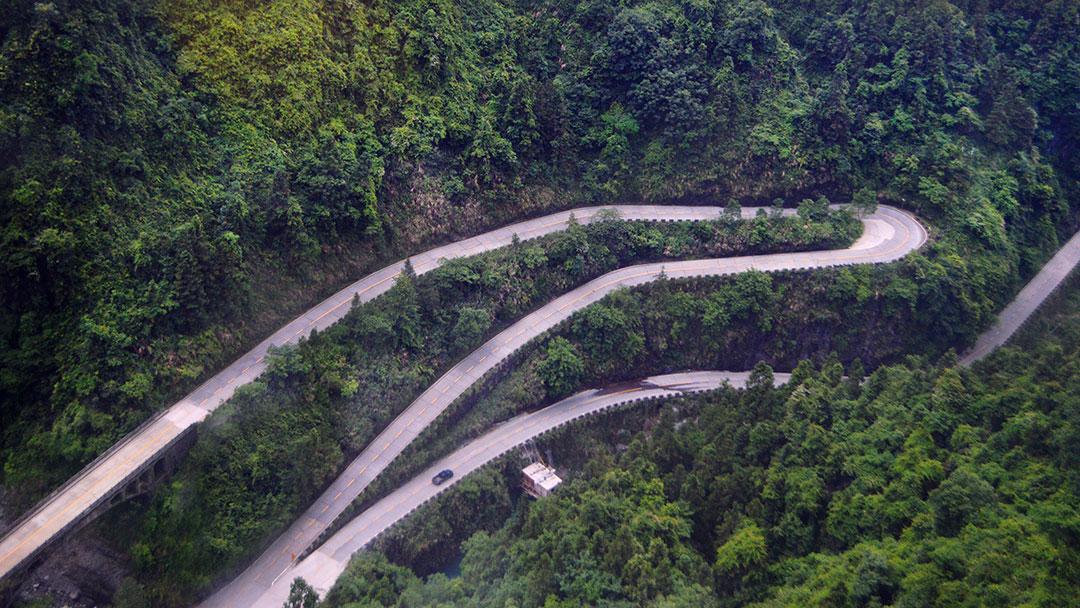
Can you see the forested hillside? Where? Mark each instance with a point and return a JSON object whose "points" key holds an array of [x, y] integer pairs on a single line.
{"points": [[924, 484], [266, 455], [179, 177]]}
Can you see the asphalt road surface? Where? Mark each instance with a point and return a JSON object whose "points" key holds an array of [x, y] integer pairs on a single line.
{"points": [[1027, 301], [100, 479], [889, 234], [323, 566]]}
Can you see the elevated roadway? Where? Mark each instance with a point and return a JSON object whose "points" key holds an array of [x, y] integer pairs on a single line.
{"points": [[92, 489], [323, 566], [889, 234]]}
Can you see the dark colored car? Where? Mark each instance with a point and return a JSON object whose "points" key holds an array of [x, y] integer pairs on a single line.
{"points": [[442, 476]]}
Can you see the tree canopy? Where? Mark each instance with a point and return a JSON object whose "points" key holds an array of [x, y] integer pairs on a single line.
{"points": [[923, 485]]}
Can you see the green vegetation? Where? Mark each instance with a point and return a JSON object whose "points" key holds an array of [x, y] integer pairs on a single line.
{"points": [[266, 454], [176, 174], [922, 485], [179, 177], [864, 315]]}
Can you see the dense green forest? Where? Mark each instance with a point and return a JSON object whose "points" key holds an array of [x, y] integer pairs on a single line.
{"points": [[179, 177], [923, 484], [267, 454]]}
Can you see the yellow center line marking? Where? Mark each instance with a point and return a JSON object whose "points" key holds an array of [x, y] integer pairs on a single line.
{"points": [[868, 254], [348, 300]]}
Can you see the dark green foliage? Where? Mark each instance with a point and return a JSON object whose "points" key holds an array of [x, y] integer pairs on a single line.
{"points": [[607, 334], [371, 581], [925, 485], [561, 369], [301, 595], [174, 173], [481, 501], [864, 201], [472, 324], [963, 494], [265, 455]]}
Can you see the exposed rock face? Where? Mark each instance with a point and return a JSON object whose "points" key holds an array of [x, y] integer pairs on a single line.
{"points": [[82, 573]]}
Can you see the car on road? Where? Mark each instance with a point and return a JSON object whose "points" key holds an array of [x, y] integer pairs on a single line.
{"points": [[442, 476]]}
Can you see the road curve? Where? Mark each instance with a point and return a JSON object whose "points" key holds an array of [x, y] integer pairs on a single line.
{"points": [[323, 566], [64, 508], [1052, 274], [889, 234]]}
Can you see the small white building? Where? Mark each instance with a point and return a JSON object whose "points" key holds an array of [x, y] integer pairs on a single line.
{"points": [[538, 480]]}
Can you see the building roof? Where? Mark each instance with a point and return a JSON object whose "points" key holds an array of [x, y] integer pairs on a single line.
{"points": [[542, 475]]}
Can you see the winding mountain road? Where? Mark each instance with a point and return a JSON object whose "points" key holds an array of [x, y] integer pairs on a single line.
{"points": [[889, 234], [67, 506], [323, 566]]}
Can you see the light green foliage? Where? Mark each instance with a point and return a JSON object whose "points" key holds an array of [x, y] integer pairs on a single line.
{"points": [[561, 369], [947, 488], [612, 137], [174, 174], [272, 57], [265, 454], [745, 548], [177, 172]]}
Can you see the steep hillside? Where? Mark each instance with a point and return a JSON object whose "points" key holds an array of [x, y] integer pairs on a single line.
{"points": [[924, 485], [178, 177]]}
